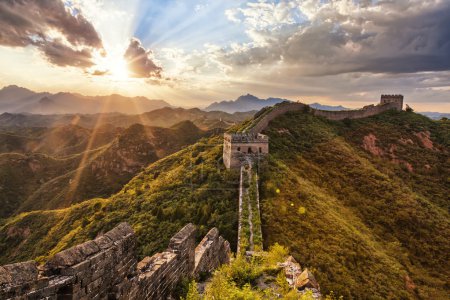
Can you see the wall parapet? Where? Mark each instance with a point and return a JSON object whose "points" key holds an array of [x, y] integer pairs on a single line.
{"points": [[211, 252], [387, 102], [107, 267]]}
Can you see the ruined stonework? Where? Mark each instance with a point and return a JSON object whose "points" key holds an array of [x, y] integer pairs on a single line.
{"points": [[302, 281], [107, 268], [212, 251], [239, 146]]}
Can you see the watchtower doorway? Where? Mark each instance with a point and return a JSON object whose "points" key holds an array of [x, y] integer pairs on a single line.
{"points": [[249, 150]]}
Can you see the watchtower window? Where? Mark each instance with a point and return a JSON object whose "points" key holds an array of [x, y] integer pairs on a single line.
{"points": [[249, 150], [239, 148], [260, 150]]}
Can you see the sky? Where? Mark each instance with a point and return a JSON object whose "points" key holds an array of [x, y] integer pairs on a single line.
{"points": [[194, 52]]}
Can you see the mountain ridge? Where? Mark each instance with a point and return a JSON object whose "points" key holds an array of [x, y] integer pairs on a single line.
{"points": [[243, 103], [384, 198], [16, 99]]}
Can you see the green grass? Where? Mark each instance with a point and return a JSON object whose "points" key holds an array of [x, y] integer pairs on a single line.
{"points": [[362, 223]]}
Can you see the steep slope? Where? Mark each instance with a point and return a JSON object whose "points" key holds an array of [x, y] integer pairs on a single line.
{"points": [[361, 203], [364, 203], [58, 141], [21, 175], [100, 163], [189, 186]]}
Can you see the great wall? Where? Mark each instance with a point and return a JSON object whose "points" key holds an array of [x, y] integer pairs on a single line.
{"points": [[251, 143], [242, 150], [107, 267]]}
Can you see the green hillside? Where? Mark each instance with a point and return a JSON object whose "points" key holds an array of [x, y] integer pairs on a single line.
{"points": [[361, 203], [370, 219], [189, 186], [101, 161]]}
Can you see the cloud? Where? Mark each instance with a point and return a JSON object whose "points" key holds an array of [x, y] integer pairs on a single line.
{"points": [[140, 62], [61, 55], [62, 34], [323, 38]]}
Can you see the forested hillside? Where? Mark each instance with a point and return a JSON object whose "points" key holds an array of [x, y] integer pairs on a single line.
{"points": [[361, 203], [188, 186], [50, 168]]}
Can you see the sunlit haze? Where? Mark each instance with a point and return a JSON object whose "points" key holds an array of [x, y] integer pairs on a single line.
{"points": [[195, 52]]}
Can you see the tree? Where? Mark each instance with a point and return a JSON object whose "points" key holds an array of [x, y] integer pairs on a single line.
{"points": [[409, 109]]}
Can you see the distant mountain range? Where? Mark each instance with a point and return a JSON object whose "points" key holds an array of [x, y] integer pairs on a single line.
{"points": [[249, 102], [328, 107], [14, 99], [435, 115], [163, 117], [243, 103], [19, 100]]}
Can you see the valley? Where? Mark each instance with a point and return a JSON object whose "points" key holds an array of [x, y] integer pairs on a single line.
{"points": [[356, 212]]}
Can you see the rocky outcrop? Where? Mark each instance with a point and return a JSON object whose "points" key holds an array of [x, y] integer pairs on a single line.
{"points": [[107, 267], [302, 281]]}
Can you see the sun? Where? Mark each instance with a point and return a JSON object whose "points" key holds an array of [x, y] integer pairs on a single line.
{"points": [[113, 66], [119, 69]]}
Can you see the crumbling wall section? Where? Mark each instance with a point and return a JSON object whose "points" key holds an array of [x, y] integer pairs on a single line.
{"points": [[107, 268], [212, 252], [88, 270]]}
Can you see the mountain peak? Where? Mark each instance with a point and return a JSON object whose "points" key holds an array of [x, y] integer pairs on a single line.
{"points": [[244, 103], [14, 88]]}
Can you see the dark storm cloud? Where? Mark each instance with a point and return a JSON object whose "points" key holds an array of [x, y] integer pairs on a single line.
{"points": [[139, 61], [62, 55], [28, 22], [404, 36]]}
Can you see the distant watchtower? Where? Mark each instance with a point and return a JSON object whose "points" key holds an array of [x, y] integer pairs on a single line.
{"points": [[398, 99], [239, 146]]}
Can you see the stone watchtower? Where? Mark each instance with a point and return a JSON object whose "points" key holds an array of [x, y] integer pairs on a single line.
{"points": [[398, 99], [239, 146]]}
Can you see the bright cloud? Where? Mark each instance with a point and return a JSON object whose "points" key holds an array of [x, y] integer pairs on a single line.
{"points": [[197, 51]]}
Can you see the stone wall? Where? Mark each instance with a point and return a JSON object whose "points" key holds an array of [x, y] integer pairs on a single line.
{"points": [[212, 252], [107, 268], [238, 146], [278, 110], [283, 108], [368, 111]]}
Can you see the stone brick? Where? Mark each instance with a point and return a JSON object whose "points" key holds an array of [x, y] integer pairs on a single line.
{"points": [[18, 273], [107, 268], [81, 267]]}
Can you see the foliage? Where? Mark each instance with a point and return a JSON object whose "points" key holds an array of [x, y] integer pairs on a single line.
{"points": [[363, 223], [369, 226], [192, 293], [70, 164], [157, 203]]}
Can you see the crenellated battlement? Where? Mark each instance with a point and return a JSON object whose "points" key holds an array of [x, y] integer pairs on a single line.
{"points": [[107, 268], [396, 99], [239, 146]]}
